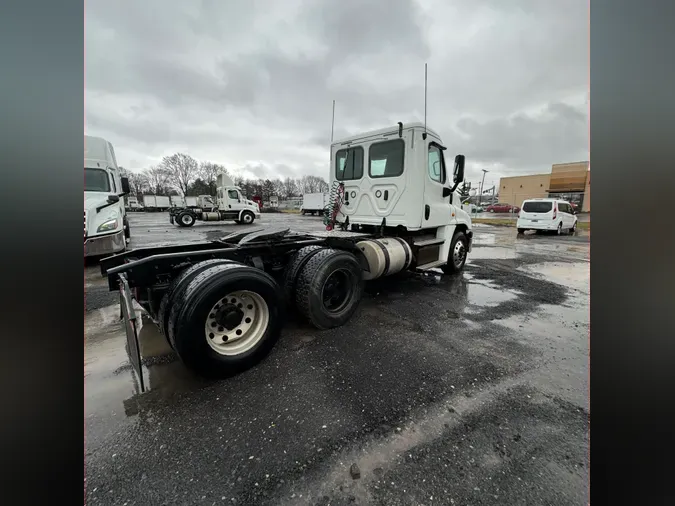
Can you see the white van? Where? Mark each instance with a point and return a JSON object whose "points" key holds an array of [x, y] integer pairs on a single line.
{"points": [[546, 214]]}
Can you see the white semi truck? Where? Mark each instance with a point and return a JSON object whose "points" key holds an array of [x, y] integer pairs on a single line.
{"points": [[106, 228], [221, 304], [229, 204]]}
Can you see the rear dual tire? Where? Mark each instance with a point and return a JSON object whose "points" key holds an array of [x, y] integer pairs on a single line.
{"points": [[223, 317], [329, 287], [325, 284]]}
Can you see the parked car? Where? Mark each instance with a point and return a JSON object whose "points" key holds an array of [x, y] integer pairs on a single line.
{"points": [[502, 208], [547, 214]]}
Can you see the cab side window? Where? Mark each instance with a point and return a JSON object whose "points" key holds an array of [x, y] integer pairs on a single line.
{"points": [[435, 166], [386, 159], [233, 194], [112, 183], [349, 164]]}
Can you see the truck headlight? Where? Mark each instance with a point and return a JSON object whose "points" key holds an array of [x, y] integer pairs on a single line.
{"points": [[106, 226]]}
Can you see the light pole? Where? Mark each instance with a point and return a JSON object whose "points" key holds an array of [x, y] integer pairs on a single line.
{"points": [[480, 198]]}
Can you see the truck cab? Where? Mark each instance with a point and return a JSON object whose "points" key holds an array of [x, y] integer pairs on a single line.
{"points": [[231, 200], [398, 180], [106, 229]]}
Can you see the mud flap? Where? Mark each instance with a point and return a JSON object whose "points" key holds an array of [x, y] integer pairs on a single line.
{"points": [[128, 315], [171, 218]]}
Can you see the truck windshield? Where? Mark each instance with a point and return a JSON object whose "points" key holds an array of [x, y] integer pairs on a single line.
{"points": [[96, 180]]}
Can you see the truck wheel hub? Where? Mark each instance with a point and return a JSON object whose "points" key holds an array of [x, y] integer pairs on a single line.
{"points": [[336, 290], [237, 322], [229, 316]]}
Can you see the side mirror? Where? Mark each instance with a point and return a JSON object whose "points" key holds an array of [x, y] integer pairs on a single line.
{"points": [[446, 192], [113, 199], [458, 170], [125, 186]]}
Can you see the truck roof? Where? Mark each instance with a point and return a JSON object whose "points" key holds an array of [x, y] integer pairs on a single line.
{"points": [[383, 131], [97, 149]]}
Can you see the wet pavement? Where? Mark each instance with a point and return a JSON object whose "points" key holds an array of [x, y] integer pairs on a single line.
{"points": [[468, 389]]}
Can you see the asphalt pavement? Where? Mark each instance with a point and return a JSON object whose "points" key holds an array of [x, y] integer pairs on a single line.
{"points": [[468, 389]]}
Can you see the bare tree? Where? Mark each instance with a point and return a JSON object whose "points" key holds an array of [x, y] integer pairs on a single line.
{"points": [[158, 180], [208, 171], [182, 170], [279, 188], [290, 188], [138, 182], [312, 184], [239, 181]]}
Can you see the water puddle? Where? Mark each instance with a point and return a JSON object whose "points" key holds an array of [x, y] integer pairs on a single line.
{"points": [[483, 295], [572, 275], [483, 239], [110, 383]]}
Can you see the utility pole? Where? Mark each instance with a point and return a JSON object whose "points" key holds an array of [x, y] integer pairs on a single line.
{"points": [[480, 198]]}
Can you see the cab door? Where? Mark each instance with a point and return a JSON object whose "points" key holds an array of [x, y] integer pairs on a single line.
{"points": [[437, 209], [233, 200]]}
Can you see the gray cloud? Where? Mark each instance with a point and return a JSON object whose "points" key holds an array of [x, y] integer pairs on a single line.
{"points": [[250, 84]]}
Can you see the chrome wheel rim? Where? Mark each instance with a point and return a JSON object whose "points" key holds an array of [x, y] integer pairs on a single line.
{"points": [[236, 323], [458, 253]]}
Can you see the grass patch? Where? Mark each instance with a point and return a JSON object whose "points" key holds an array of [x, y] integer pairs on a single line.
{"points": [[505, 222], [508, 222], [290, 211]]}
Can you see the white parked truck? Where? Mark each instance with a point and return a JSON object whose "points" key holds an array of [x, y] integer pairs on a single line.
{"points": [[156, 203], [131, 204], [221, 304], [314, 203], [191, 201], [106, 228], [229, 204]]}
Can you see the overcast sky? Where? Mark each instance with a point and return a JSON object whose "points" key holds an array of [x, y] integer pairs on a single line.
{"points": [[250, 84]]}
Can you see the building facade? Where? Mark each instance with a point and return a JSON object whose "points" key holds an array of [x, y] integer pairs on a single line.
{"points": [[567, 181]]}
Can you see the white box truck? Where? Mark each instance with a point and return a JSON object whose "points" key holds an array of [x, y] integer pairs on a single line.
{"points": [[314, 203], [106, 228], [131, 204], [191, 201], [156, 202], [177, 201]]}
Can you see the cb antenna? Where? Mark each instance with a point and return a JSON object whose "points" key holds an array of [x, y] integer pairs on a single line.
{"points": [[332, 124], [424, 135]]}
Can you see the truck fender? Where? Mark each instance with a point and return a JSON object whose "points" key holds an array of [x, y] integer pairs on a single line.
{"points": [[243, 211]]}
